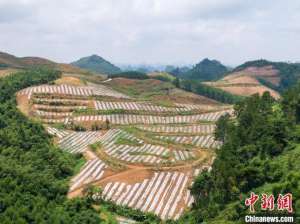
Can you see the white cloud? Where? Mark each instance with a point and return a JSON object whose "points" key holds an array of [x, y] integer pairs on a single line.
{"points": [[151, 31]]}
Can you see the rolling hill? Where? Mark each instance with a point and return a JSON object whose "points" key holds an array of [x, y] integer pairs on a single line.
{"points": [[11, 61], [259, 76], [96, 63], [277, 75]]}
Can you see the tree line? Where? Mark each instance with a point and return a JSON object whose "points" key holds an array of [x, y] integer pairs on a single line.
{"points": [[260, 153], [208, 91]]}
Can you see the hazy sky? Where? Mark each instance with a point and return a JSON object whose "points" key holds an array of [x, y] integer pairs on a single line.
{"points": [[152, 31]]}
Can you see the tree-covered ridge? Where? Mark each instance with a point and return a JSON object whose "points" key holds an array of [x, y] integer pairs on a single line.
{"points": [[289, 72], [129, 75], [260, 154], [206, 70], [33, 173], [98, 64]]}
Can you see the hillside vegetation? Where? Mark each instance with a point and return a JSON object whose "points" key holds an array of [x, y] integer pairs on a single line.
{"points": [[98, 64], [207, 91], [34, 173], [129, 75], [260, 154]]}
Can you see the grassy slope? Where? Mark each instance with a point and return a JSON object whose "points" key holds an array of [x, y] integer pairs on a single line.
{"points": [[159, 92]]}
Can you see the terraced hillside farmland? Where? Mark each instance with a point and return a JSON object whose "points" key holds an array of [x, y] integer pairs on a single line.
{"points": [[142, 153]]}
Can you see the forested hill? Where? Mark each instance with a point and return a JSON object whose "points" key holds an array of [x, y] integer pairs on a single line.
{"points": [[98, 64], [34, 173], [289, 73], [260, 154], [206, 70]]}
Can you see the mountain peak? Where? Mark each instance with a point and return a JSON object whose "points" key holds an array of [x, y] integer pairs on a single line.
{"points": [[96, 63], [206, 70]]}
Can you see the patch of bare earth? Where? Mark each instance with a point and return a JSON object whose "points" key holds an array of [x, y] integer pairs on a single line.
{"points": [[142, 85], [69, 80], [181, 96], [245, 82], [249, 90], [23, 104], [269, 73]]}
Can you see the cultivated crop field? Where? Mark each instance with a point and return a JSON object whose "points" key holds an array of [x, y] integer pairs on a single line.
{"points": [[143, 154]]}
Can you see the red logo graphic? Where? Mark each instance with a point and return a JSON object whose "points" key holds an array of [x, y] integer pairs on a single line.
{"points": [[267, 202], [284, 202], [251, 201]]}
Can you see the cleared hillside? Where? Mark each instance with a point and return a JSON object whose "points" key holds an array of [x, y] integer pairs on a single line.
{"points": [[247, 81]]}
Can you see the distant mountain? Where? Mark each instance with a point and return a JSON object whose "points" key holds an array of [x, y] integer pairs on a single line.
{"points": [[276, 75], [98, 64], [11, 61], [206, 70]]}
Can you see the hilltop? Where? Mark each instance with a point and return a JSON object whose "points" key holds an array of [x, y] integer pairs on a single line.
{"points": [[11, 61], [206, 70], [259, 76], [96, 63]]}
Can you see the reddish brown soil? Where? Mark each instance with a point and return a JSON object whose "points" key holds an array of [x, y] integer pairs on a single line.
{"points": [[245, 82], [23, 104], [267, 72], [249, 90], [69, 81]]}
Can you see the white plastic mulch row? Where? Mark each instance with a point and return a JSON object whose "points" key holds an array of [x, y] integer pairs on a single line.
{"points": [[123, 220], [56, 132], [160, 195], [151, 119], [92, 171], [189, 106], [201, 128], [143, 153], [181, 155], [72, 90], [57, 100], [54, 121], [205, 141], [144, 106], [43, 113], [53, 107], [78, 142]]}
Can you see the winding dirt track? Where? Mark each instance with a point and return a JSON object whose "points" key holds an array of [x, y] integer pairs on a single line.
{"points": [[133, 174]]}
